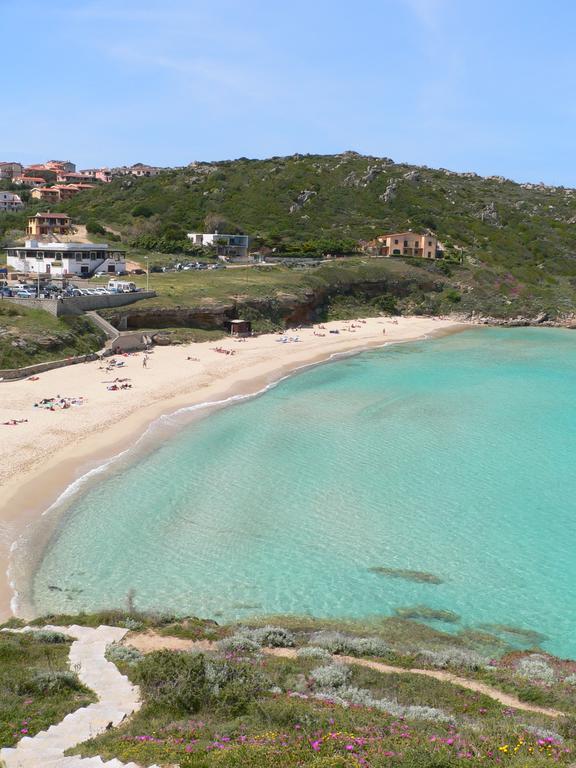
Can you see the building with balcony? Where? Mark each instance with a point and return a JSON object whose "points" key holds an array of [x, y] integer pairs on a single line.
{"points": [[48, 194], [48, 224], [10, 170], [63, 259], [64, 166], [97, 174], [70, 177], [29, 181], [10, 202], [48, 174], [226, 247], [425, 246], [59, 192]]}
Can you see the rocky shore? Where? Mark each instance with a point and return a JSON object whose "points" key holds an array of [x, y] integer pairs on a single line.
{"points": [[522, 321]]}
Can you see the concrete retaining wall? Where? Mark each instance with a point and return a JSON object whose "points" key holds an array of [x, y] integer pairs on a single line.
{"points": [[48, 305], [129, 341], [76, 305], [124, 342], [10, 374]]}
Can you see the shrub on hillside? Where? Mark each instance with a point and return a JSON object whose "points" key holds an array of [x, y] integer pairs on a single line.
{"points": [[125, 654], [348, 645], [49, 636], [132, 624], [359, 697], [453, 657], [174, 679], [238, 644], [536, 668], [234, 687], [143, 210], [94, 228], [330, 676], [314, 652], [268, 636], [43, 683], [190, 682]]}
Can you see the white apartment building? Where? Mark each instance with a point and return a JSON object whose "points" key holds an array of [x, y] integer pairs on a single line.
{"points": [[228, 247], [10, 202], [61, 259]]}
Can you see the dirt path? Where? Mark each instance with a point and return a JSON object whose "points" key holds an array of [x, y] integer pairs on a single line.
{"points": [[148, 642]]}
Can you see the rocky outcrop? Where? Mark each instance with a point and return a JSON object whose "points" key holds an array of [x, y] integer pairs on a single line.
{"points": [[521, 321], [390, 192], [302, 199], [489, 215]]}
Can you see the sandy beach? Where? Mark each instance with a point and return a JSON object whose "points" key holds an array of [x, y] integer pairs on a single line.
{"points": [[49, 449]]}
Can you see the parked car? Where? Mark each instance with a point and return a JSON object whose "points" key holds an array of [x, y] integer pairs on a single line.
{"points": [[121, 286], [25, 295]]}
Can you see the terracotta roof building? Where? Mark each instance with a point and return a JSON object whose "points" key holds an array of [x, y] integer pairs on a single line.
{"points": [[47, 224], [409, 243]]}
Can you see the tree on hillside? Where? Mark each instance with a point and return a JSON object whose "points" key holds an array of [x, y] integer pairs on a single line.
{"points": [[216, 222]]}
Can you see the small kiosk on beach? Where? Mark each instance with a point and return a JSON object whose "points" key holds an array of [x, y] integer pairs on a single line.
{"points": [[240, 327]]}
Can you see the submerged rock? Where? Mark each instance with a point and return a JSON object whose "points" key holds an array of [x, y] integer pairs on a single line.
{"points": [[425, 613], [421, 577]]}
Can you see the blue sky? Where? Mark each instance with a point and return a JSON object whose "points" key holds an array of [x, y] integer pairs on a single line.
{"points": [[485, 86]]}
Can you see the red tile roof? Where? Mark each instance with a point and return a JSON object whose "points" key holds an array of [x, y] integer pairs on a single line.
{"points": [[51, 216]]}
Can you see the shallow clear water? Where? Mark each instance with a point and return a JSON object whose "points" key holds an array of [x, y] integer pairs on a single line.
{"points": [[453, 456]]}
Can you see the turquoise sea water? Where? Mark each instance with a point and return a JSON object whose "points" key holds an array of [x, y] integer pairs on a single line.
{"points": [[453, 456]]}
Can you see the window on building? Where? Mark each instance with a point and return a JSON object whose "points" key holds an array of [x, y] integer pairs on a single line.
{"points": [[405, 243], [92, 256], [429, 254], [429, 242], [396, 251], [395, 242], [78, 256]]}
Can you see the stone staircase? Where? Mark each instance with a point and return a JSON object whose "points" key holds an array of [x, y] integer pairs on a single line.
{"points": [[117, 699]]}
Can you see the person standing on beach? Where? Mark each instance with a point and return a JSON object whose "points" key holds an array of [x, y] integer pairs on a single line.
{"points": [[145, 362]]}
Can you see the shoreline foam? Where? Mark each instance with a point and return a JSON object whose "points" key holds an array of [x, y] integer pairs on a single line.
{"points": [[117, 434]]}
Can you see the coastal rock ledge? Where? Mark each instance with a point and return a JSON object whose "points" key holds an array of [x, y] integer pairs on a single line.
{"points": [[543, 319]]}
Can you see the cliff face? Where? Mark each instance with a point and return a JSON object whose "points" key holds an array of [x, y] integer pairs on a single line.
{"points": [[285, 309]]}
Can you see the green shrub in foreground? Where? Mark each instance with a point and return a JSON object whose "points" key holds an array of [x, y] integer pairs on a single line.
{"points": [[189, 682]]}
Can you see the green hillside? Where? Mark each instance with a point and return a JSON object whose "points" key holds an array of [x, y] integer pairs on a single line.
{"points": [[29, 336], [511, 247]]}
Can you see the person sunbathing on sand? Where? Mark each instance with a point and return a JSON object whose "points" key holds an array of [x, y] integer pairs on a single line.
{"points": [[14, 422]]}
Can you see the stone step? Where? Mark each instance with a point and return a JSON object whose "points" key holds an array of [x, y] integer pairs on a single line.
{"points": [[117, 698]]}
